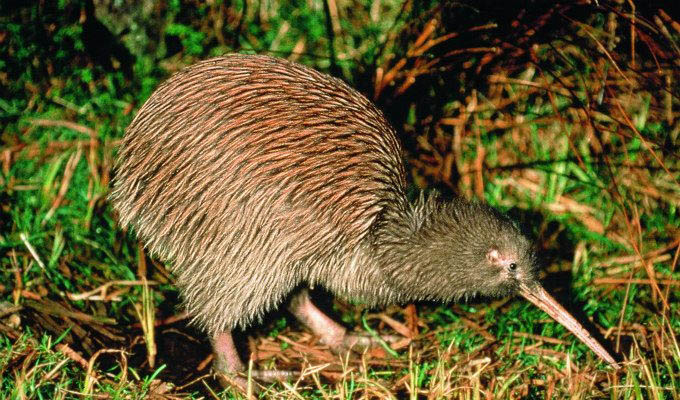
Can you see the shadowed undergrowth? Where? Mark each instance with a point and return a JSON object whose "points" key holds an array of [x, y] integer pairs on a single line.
{"points": [[563, 115]]}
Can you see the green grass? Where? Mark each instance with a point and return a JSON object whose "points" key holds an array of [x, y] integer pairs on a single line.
{"points": [[555, 120]]}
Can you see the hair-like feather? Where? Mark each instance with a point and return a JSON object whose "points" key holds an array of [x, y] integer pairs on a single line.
{"points": [[252, 174]]}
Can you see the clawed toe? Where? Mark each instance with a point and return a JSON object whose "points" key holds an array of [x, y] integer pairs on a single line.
{"points": [[363, 341], [227, 380], [230, 371], [270, 376], [241, 380]]}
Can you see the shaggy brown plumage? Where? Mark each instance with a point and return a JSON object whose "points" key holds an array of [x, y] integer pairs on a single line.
{"points": [[252, 175]]}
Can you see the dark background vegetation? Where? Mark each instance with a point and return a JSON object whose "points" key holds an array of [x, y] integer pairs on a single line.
{"points": [[563, 114]]}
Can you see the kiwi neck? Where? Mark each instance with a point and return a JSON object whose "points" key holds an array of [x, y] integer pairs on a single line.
{"points": [[412, 251]]}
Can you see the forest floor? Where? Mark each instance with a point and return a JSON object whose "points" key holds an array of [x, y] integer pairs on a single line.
{"points": [[564, 115]]}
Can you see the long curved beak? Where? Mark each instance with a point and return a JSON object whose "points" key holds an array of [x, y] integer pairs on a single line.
{"points": [[541, 299]]}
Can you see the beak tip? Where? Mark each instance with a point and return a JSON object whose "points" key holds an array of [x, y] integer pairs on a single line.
{"points": [[539, 297]]}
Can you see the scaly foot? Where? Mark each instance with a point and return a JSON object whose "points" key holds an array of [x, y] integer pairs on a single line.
{"points": [[330, 332], [230, 371]]}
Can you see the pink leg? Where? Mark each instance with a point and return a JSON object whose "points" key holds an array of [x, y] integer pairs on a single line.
{"points": [[226, 356], [330, 332], [227, 364], [231, 371]]}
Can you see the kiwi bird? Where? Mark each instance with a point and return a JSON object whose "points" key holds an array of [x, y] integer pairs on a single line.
{"points": [[254, 176]]}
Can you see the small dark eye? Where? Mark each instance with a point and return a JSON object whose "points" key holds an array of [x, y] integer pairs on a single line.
{"points": [[513, 266]]}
